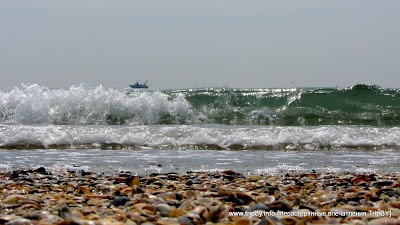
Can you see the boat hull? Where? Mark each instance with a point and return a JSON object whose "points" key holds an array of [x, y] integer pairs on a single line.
{"points": [[138, 86]]}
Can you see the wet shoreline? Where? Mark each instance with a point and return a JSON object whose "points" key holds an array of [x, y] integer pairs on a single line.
{"points": [[145, 162], [37, 196]]}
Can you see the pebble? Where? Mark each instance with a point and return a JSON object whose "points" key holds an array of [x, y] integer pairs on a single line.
{"points": [[83, 197]]}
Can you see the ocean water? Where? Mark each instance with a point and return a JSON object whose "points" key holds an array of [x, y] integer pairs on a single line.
{"points": [[269, 130]]}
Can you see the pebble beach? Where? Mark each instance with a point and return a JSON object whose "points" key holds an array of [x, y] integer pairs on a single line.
{"points": [[37, 196]]}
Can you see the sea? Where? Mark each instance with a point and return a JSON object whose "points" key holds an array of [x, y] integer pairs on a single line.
{"points": [[273, 131]]}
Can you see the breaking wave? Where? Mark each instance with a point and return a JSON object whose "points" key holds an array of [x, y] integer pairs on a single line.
{"points": [[86, 105]]}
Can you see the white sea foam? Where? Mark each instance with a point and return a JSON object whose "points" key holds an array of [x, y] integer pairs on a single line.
{"points": [[85, 105], [195, 137]]}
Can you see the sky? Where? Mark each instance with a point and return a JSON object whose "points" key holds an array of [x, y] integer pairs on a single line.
{"points": [[177, 44]]}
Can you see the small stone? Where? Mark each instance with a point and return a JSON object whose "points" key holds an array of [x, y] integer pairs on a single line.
{"points": [[383, 183], [41, 170], [120, 201], [163, 209], [280, 206], [254, 178], [133, 180], [229, 172], [184, 220], [65, 213], [258, 206]]}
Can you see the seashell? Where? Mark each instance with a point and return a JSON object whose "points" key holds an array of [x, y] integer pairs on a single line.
{"points": [[120, 179], [270, 220], [395, 212], [165, 221], [351, 196], [292, 220], [147, 223], [87, 200], [217, 213], [243, 221], [31, 202], [204, 201], [175, 213], [76, 214], [190, 194], [229, 172], [146, 209], [68, 202], [172, 185], [158, 184], [6, 218], [13, 199], [225, 192], [353, 203], [365, 208], [329, 182], [139, 196], [365, 202], [254, 194], [201, 187], [43, 217], [280, 206], [30, 206], [91, 216], [163, 209], [184, 220], [381, 205], [360, 178], [129, 191], [254, 178], [95, 202], [307, 207], [256, 207], [356, 222], [82, 190], [395, 204], [202, 213], [131, 203], [98, 196], [173, 176], [309, 175], [242, 197], [77, 199], [309, 186], [172, 196], [270, 189], [130, 222], [347, 207], [328, 203], [186, 205], [42, 190], [20, 221], [265, 199], [384, 221], [384, 183]]}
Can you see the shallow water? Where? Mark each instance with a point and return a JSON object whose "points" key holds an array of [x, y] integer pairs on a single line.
{"points": [[145, 162]]}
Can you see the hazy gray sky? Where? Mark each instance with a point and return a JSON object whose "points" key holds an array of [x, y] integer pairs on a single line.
{"points": [[204, 43]]}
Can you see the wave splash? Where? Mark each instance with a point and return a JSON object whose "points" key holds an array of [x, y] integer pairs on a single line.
{"points": [[85, 105], [211, 137]]}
